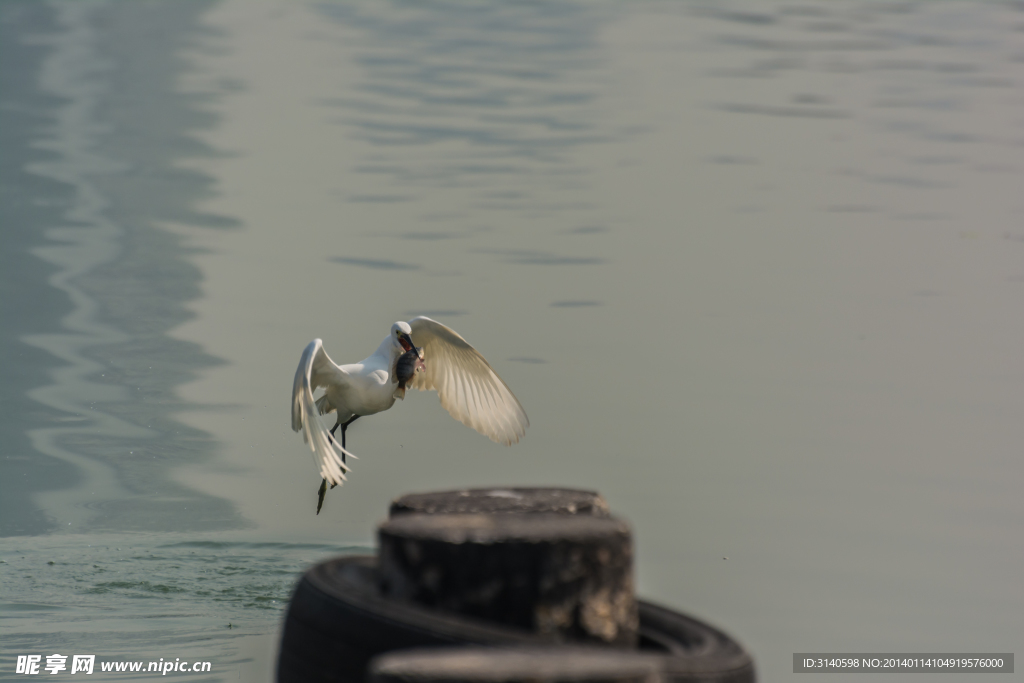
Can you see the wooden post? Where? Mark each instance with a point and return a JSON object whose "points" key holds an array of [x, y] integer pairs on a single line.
{"points": [[566, 576], [502, 500]]}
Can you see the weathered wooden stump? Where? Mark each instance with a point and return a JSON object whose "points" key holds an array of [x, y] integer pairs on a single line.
{"points": [[522, 665], [503, 500], [568, 576]]}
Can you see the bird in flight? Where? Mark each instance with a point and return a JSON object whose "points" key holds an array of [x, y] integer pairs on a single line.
{"points": [[422, 354]]}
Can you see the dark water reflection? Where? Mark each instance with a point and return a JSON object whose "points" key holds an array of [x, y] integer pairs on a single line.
{"points": [[28, 304], [93, 139]]}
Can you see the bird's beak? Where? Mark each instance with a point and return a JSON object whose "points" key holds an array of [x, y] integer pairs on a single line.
{"points": [[406, 342]]}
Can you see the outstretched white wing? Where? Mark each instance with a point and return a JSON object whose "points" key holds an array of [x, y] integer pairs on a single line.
{"points": [[316, 369], [468, 387]]}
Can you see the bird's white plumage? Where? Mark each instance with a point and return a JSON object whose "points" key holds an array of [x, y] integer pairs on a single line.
{"points": [[469, 388], [316, 369]]}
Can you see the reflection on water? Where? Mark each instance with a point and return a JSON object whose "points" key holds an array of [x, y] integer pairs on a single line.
{"points": [[106, 154], [753, 269], [27, 303], [480, 109], [505, 91]]}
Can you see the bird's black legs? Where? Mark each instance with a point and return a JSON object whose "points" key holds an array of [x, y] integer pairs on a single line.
{"points": [[322, 491], [344, 426]]}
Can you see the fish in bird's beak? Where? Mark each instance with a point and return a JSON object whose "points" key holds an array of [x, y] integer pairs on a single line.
{"points": [[407, 365], [407, 345]]}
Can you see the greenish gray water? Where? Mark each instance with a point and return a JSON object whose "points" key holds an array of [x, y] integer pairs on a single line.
{"points": [[142, 598], [754, 270]]}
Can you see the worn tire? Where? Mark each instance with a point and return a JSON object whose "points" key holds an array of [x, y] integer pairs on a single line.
{"points": [[338, 621], [697, 652], [480, 664]]}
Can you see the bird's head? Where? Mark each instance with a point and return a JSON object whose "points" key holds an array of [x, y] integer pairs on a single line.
{"points": [[400, 335]]}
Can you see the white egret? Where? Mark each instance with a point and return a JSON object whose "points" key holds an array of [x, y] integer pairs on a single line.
{"points": [[421, 353]]}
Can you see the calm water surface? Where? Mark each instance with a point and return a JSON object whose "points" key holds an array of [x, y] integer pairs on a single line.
{"points": [[755, 270]]}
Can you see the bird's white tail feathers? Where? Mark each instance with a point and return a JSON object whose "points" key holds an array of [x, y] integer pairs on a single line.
{"points": [[327, 453]]}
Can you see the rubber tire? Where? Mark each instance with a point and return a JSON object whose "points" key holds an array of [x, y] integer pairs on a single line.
{"points": [[697, 652], [522, 664], [337, 622]]}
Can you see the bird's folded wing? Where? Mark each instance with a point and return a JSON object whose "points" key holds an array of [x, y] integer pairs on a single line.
{"points": [[315, 370], [468, 387]]}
